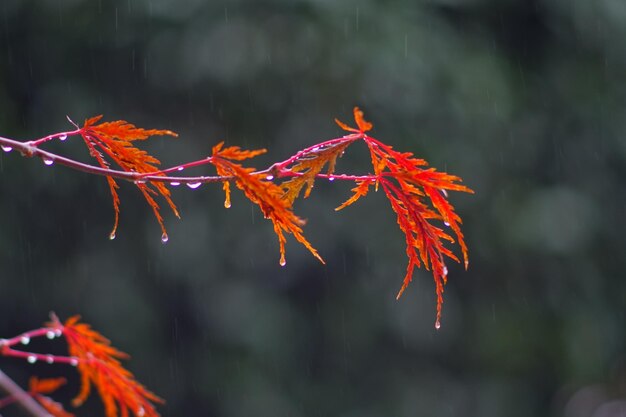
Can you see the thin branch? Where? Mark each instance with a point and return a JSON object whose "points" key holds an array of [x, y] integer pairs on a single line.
{"points": [[278, 170], [22, 397]]}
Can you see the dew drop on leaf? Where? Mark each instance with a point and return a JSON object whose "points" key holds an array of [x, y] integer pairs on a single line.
{"points": [[48, 161], [24, 340], [62, 137], [7, 148], [164, 238], [194, 185], [31, 359]]}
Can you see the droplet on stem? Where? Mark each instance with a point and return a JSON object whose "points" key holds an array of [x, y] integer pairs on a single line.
{"points": [[31, 359], [164, 237], [7, 148], [50, 359], [180, 168], [174, 184], [140, 181], [50, 334], [227, 203], [48, 161], [437, 324], [269, 177], [331, 178], [58, 332], [63, 137], [194, 185], [24, 340], [112, 236], [74, 361], [282, 261]]}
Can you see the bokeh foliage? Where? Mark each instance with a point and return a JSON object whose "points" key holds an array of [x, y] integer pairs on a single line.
{"points": [[526, 100]]}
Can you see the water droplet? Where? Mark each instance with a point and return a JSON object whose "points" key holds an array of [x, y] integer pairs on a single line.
{"points": [[112, 236], [444, 192], [269, 177], [50, 334], [58, 332], [180, 168], [466, 264], [25, 340], [48, 161], [437, 324], [141, 412], [174, 184], [140, 181], [50, 359], [445, 271], [164, 238], [282, 261], [331, 178], [7, 148], [226, 203], [447, 224], [194, 185], [31, 359], [62, 137], [74, 361]]}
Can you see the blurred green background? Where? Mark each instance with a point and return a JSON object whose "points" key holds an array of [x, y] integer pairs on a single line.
{"points": [[526, 100]]}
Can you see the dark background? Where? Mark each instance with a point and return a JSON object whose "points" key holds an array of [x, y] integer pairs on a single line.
{"points": [[526, 100]]}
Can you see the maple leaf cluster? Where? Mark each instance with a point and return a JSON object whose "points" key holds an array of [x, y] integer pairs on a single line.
{"points": [[417, 193]]}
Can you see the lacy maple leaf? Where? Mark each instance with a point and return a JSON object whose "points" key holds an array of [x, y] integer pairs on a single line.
{"points": [[115, 140], [262, 192], [418, 196], [37, 387], [308, 165], [98, 364]]}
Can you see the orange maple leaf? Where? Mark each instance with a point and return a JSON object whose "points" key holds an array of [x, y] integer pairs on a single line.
{"points": [[407, 183], [115, 140], [267, 195], [309, 165], [418, 196], [363, 126], [98, 364], [37, 387]]}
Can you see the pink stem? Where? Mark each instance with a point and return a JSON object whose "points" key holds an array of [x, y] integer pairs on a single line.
{"points": [[30, 149]]}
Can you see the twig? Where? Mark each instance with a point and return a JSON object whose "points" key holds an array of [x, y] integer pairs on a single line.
{"points": [[22, 397]]}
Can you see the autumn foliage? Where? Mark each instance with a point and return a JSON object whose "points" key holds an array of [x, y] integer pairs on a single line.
{"points": [[417, 194]]}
